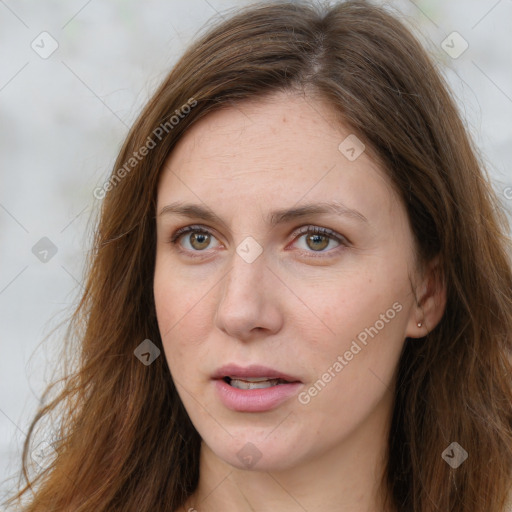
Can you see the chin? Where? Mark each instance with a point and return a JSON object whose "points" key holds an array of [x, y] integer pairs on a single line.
{"points": [[256, 452]]}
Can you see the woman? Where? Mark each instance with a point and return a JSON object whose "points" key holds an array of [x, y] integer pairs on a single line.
{"points": [[300, 294]]}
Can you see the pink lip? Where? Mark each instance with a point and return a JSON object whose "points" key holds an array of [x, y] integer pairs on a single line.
{"points": [[254, 400]]}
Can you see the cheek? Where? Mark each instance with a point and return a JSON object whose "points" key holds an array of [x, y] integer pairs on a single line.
{"points": [[181, 318], [347, 304], [364, 322], [352, 372], [177, 297]]}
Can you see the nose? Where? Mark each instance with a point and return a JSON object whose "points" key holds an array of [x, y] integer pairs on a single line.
{"points": [[248, 303]]}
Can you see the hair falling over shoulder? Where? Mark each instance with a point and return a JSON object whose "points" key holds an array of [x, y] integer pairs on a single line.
{"points": [[124, 441]]}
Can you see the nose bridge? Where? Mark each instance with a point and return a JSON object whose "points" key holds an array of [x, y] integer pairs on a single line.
{"points": [[245, 279], [244, 302]]}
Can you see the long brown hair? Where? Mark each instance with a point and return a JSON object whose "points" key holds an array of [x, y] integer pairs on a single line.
{"points": [[124, 441]]}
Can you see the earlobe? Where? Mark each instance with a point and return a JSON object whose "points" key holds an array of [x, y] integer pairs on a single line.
{"points": [[431, 302]]}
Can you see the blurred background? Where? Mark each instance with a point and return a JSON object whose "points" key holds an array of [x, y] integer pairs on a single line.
{"points": [[74, 75]]}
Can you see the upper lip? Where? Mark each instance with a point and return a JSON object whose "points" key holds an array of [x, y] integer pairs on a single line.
{"points": [[233, 370]]}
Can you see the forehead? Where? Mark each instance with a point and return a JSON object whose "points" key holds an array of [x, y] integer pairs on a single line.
{"points": [[282, 149]]}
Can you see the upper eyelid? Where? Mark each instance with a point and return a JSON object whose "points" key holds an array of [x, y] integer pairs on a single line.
{"points": [[187, 229]]}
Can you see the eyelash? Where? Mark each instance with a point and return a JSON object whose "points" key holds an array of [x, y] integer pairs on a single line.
{"points": [[304, 230]]}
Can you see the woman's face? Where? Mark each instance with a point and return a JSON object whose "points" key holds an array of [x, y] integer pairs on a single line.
{"points": [[295, 265]]}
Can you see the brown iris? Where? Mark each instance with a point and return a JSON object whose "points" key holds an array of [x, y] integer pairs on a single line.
{"points": [[316, 240], [201, 239]]}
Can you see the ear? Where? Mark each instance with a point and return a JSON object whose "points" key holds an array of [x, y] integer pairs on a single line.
{"points": [[431, 301]]}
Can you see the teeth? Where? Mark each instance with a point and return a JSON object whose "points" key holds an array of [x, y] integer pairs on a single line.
{"points": [[254, 383], [254, 379]]}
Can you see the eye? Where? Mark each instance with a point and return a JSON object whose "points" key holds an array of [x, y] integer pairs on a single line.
{"points": [[309, 239], [317, 239], [197, 240]]}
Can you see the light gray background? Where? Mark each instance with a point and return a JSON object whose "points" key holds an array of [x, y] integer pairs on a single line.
{"points": [[62, 120]]}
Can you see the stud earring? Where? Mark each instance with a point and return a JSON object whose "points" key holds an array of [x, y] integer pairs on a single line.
{"points": [[419, 324]]}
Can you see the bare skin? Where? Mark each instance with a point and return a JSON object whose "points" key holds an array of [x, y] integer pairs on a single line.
{"points": [[297, 308]]}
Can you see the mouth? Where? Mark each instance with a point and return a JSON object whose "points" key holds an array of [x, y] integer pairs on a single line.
{"points": [[254, 388], [254, 382]]}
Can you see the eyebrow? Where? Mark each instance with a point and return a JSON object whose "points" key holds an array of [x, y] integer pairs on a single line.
{"points": [[276, 217]]}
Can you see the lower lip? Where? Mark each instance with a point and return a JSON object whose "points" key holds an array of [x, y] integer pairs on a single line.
{"points": [[255, 400]]}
